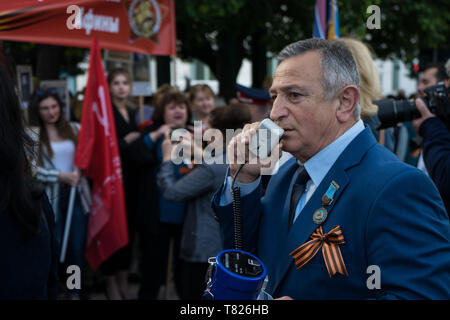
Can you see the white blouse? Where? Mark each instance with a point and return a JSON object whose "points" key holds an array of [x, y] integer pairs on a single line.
{"points": [[63, 155]]}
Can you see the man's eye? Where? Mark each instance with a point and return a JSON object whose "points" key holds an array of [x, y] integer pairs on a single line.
{"points": [[294, 95]]}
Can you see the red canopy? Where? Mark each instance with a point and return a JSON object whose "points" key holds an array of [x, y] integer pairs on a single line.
{"points": [[143, 26]]}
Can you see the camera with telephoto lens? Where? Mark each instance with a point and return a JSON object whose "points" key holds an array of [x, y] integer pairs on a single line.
{"points": [[391, 112]]}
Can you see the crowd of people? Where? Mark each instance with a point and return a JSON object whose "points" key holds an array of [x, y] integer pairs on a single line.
{"points": [[167, 205], [172, 225]]}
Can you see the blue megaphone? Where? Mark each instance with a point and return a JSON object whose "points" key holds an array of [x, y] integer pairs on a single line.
{"points": [[234, 275]]}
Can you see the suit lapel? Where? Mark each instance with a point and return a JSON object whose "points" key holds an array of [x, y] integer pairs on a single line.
{"points": [[279, 212], [304, 226]]}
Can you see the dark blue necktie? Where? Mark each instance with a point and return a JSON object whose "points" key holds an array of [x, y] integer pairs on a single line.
{"points": [[297, 191]]}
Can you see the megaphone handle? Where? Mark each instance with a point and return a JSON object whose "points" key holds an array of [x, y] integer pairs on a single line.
{"points": [[237, 218]]}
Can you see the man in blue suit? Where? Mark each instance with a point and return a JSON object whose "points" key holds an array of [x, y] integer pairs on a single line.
{"points": [[344, 218]]}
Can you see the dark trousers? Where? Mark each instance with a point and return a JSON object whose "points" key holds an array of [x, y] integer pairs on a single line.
{"points": [[77, 234], [154, 260], [118, 261], [193, 280]]}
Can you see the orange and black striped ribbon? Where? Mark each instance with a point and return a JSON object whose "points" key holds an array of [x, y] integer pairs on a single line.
{"points": [[185, 170], [329, 243]]}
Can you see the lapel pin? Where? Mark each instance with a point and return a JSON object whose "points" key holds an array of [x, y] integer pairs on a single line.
{"points": [[320, 216], [327, 198]]}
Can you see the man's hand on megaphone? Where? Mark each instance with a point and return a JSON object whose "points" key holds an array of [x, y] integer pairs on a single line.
{"points": [[238, 153]]}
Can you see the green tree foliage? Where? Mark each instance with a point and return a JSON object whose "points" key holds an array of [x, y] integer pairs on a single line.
{"points": [[221, 33], [408, 26], [206, 29], [51, 59]]}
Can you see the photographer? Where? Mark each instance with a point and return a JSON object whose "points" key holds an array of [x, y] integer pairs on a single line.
{"points": [[436, 147], [431, 76]]}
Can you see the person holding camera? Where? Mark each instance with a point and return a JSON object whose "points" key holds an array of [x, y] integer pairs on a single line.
{"points": [[334, 211], [161, 222], [432, 74], [436, 147]]}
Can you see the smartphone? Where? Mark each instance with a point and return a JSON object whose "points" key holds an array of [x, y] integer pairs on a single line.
{"points": [[266, 138]]}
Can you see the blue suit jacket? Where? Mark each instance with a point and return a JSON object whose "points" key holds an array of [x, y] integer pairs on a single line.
{"points": [[436, 154], [390, 213]]}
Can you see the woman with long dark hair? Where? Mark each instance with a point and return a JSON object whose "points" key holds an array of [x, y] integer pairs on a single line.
{"points": [[28, 269], [56, 140]]}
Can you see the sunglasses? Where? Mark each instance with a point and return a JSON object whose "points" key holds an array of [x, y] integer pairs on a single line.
{"points": [[43, 92]]}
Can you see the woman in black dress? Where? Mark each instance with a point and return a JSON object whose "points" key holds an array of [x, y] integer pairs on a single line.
{"points": [[116, 267]]}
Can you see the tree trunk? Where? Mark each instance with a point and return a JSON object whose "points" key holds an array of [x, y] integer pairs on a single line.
{"points": [[49, 62], [229, 61], [259, 61], [163, 70]]}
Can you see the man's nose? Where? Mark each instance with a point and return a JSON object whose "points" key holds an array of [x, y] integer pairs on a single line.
{"points": [[420, 88], [278, 109]]}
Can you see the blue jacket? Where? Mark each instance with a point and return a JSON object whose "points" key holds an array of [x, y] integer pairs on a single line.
{"points": [[169, 211], [391, 216], [436, 155], [28, 267]]}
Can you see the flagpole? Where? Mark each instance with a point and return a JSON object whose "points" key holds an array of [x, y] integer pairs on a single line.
{"points": [[68, 224], [174, 60], [141, 109], [169, 268]]}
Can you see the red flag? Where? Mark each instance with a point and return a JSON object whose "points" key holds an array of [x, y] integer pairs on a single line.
{"points": [[98, 155]]}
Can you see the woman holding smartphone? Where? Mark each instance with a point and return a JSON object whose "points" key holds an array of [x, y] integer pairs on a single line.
{"points": [[162, 222]]}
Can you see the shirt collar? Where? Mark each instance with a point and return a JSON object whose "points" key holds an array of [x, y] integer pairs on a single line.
{"points": [[319, 165]]}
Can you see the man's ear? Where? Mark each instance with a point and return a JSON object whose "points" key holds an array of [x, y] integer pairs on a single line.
{"points": [[348, 98]]}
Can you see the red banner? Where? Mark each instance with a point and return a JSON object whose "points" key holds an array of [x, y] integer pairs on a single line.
{"points": [[142, 26], [98, 155]]}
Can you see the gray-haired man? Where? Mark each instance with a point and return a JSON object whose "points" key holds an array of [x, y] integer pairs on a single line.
{"points": [[343, 203]]}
